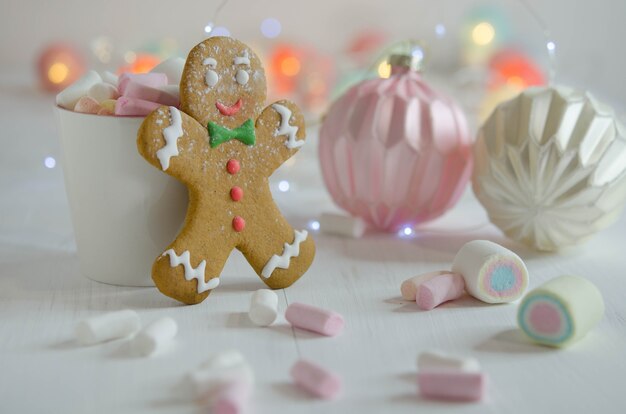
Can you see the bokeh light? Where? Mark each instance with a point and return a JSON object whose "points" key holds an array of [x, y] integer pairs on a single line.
{"points": [[139, 62], [49, 162], [406, 231], [58, 72], [58, 66], [284, 186], [384, 69], [483, 33], [271, 28], [290, 66], [219, 31], [440, 30], [102, 48]]}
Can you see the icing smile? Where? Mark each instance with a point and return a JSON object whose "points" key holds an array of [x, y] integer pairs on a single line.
{"points": [[229, 110]]}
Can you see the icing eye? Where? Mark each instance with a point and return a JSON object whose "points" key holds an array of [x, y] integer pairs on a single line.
{"points": [[242, 77], [211, 78]]}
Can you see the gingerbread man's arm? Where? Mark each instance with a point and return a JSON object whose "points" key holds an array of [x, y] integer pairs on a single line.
{"points": [[280, 132], [169, 139]]}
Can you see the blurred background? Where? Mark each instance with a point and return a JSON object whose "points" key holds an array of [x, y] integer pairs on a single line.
{"points": [[315, 49], [479, 52]]}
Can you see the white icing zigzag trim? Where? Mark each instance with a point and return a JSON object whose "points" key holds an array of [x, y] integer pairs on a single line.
{"points": [[286, 128], [289, 251], [171, 135], [190, 272]]}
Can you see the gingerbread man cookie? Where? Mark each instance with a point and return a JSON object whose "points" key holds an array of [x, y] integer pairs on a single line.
{"points": [[224, 146]]}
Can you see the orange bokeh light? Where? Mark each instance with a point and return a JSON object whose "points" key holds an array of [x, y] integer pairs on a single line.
{"points": [[285, 65], [515, 69], [290, 66], [58, 66], [143, 63]]}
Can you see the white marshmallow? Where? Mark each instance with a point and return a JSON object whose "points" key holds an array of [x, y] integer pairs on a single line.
{"points": [[206, 382], [110, 78], [492, 273], [173, 90], [224, 359], [263, 307], [68, 97], [434, 360], [342, 225], [172, 67], [108, 326], [102, 91], [155, 336]]}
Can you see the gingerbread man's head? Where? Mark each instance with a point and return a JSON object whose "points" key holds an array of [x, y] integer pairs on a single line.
{"points": [[223, 82]]}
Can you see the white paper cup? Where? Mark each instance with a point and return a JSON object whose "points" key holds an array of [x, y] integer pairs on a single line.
{"points": [[124, 211]]}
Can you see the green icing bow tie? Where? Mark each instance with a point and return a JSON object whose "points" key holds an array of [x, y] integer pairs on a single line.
{"points": [[219, 134]]}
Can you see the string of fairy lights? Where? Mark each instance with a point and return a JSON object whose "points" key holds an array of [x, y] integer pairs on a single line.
{"points": [[550, 44], [482, 33]]}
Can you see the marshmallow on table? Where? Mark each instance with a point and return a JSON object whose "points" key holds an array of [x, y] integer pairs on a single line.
{"points": [[316, 379], [232, 398], [147, 93], [134, 107], [342, 225], [102, 91], [87, 105], [433, 360], [154, 80], [432, 289], [69, 96], [108, 326], [453, 385], [561, 311], [155, 336], [491, 272], [224, 359], [263, 307], [172, 67], [325, 322], [219, 371]]}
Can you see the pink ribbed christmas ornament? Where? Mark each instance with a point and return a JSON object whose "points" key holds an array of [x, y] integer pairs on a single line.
{"points": [[395, 152]]}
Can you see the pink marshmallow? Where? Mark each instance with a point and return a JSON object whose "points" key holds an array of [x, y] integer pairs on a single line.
{"points": [[316, 380], [87, 105], [440, 289], [134, 107], [233, 398], [409, 286], [147, 93], [153, 80], [322, 321], [453, 385]]}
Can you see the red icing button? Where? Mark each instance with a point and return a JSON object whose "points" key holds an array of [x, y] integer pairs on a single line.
{"points": [[238, 223], [236, 193], [232, 166]]}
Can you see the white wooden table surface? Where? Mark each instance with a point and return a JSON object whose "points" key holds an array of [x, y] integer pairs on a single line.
{"points": [[43, 295]]}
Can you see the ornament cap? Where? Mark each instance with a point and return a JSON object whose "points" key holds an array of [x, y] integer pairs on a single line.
{"points": [[411, 61]]}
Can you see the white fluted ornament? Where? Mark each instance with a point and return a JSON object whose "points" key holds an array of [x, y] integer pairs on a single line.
{"points": [[550, 167]]}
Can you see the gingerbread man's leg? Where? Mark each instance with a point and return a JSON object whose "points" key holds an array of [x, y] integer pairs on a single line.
{"points": [[278, 253], [189, 268]]}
